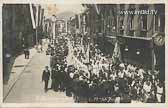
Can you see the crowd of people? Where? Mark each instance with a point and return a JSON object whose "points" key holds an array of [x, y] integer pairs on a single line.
{"points": [[102, 81], [125, 82]]}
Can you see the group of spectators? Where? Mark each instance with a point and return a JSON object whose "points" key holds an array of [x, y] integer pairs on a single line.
{"points": [[59, 52]]}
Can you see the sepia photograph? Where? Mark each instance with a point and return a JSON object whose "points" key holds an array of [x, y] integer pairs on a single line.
{"points": [[83, 53]]}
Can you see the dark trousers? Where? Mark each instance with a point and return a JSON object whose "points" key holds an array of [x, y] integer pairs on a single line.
{"points": [[55, 84], [46, 85], [26, 56]]}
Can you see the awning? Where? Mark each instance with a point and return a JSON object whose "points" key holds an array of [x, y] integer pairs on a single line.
{"points": [[133, 37]]}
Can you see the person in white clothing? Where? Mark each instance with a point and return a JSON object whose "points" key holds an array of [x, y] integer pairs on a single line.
{"points": [[159, 93], [147, 90]]}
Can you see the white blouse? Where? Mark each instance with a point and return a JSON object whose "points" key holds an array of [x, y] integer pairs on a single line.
{"points": [[159, 89], [146, 87]]}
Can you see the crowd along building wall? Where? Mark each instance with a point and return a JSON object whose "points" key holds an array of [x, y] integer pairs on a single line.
{"points": [[134, 31]]}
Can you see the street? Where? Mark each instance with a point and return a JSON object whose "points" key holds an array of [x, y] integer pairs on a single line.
{"points": [[83, 53], [30, 88]]}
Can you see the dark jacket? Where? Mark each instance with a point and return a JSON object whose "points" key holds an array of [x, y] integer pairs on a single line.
{"points": [[46, 75]]}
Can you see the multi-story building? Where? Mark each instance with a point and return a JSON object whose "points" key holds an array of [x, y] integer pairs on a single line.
{"points": [[18, 30], [134, 26]]}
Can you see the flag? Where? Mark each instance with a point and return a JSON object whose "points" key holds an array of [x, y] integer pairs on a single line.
{"points": [[116, 57], [96, 8], [42, 17], [37, 15], [32, 16]]}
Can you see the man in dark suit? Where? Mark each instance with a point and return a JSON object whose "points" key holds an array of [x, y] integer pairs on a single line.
{"points": [[46, 77]]}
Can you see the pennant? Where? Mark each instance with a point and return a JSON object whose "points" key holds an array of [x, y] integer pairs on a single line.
{"points": [[32, 16], [96, 8], [37, 15]]}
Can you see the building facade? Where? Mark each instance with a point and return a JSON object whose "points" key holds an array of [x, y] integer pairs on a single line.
{"points": [[18, 31], [134, 26]]}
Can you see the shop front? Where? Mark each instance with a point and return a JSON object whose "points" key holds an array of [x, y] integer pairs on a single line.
{"points": [[142, 52], [136, 51]]}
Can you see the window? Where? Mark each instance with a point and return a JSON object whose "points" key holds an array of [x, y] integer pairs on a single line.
{"points": [[144, 22], [131, 22], [121, 25], [159, 19], [131, 25], [159, 23], [121, 20], [143, 26]]}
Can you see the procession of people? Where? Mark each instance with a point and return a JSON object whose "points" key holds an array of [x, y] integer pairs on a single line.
{"points": [[99, 80]]}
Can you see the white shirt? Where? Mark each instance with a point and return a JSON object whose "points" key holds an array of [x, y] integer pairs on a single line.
{"points": [[146, 87], [159, 89], [121, 74], [113, 76]]}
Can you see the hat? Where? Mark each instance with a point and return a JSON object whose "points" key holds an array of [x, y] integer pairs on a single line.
{"points": [[80, 78], [140, 71], [71, 75], [122, 65]]}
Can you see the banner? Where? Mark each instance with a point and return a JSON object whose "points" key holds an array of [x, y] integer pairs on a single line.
{"points": [[37, 15], [32, 16], [96, 8], [116, 57]]}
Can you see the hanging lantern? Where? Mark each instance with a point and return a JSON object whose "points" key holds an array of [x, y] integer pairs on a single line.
{"points": [[138, 52], [126, 48], [113, 28]]}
